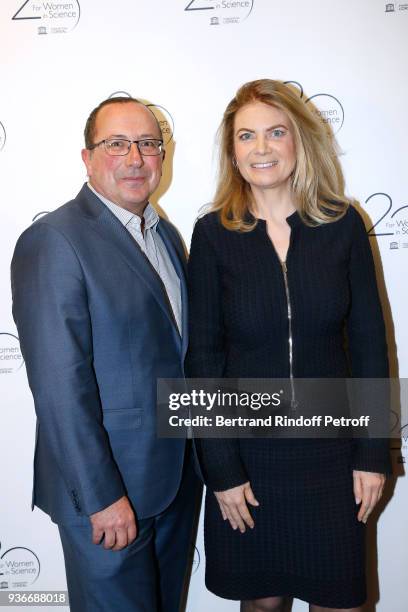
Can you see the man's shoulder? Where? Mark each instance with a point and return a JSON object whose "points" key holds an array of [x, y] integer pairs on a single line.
{"points": [[61, 226], [60, 215], [67, 213]]}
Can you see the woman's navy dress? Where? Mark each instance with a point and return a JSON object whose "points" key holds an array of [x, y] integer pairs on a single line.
{"points": [[307, 542]]}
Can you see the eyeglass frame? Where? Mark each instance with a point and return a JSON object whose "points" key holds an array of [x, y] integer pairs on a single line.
{"points": [[130, 142]]}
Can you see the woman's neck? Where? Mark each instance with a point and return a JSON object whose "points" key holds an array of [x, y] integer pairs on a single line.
{"points": [[273, 204]]}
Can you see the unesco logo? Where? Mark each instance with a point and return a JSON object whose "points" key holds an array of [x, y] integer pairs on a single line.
{"points": [[11, 359], [221, 12], [2, 136], [161, 113], [387, 221], [391, 7], [19, 568], [50, 17], [325, 105]]}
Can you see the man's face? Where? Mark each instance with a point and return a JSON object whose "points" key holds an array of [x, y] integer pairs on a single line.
{"points": [[127, 180]]}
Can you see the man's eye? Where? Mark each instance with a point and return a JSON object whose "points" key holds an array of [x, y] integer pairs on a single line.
{"points": [[147, 144], [117, 144]]}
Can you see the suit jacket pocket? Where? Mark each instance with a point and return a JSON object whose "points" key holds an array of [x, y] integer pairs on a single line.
{"points": [[122, 418]]}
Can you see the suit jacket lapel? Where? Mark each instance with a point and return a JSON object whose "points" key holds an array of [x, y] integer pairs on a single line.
{"points": [[179, 265], [111, 230]]}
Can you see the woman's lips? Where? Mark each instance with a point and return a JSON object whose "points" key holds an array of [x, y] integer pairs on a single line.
{"points": [[262, 165]]}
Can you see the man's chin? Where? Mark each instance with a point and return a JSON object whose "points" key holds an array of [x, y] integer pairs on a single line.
{"points": [[134, 204]]}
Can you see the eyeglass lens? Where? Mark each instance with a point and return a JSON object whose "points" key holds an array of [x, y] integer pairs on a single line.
{"points": [[119, 146]]}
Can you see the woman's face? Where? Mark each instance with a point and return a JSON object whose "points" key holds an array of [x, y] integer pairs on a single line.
{"points": [[264, 146]]}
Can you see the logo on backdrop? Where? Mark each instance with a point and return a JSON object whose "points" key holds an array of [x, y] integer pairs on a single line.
{"points": [[161, 113], [165, 120], [221, 12], [392, 7], [196, 560], [403, 454], [11, 359], [327, 107], [19, 568], [39, 215], [120, 94], [390, 221], [2, 136], [49, 17], [297, 85], [399, 438]]}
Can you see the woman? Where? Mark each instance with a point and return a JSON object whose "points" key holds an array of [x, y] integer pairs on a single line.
{"points": [[278, 268]]}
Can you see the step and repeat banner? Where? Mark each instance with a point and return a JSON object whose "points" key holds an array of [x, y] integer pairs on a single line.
{"points": [[187, 58]]}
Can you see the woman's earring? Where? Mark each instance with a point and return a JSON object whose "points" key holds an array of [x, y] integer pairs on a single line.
{"points": [[234, 163]]}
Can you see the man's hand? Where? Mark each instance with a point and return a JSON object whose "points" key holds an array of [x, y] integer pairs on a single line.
{"points": [[233, 505], [368, 488], [116, 524]]}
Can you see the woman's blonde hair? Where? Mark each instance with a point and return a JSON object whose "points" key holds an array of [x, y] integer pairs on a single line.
{"points": [[317, 180]]}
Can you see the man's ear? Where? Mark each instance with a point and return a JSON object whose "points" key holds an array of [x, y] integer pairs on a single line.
{"points": [[86, 155]]}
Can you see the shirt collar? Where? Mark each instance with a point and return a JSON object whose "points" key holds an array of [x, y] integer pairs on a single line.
{"points": [[151, 218]]}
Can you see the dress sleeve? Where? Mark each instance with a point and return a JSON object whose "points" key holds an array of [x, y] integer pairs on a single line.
{"points": [[219, 459], [366, 340]]}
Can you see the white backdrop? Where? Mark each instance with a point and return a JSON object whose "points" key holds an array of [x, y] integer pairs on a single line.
{"points": [[60, 59]]}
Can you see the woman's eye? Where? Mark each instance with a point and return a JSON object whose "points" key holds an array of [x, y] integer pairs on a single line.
{"points": [[245, 136], [278, 133]]}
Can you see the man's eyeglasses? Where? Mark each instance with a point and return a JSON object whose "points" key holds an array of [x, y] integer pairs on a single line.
{"points": [[121, 146]]}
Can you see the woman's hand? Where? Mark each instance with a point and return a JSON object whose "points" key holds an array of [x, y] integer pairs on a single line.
{"points": [[368, 488], [233, 505]]}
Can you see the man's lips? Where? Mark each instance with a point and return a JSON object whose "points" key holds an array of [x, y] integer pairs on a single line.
{"points": [[133, 179]]}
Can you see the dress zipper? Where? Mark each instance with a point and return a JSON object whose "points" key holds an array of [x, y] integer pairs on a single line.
{"points": [[293, 402]]}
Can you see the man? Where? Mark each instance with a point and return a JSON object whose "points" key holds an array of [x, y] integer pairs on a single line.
{"points": [[99, 288]]}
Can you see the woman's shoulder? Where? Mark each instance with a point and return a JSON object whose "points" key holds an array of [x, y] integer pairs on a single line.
{"points": [[352, 214], [350, 220], [209, 224], [208, 219], [353, 221], [347, 231]]}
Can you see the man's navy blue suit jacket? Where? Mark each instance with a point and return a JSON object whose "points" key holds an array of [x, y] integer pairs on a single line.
{"points": [[96, 331]]}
